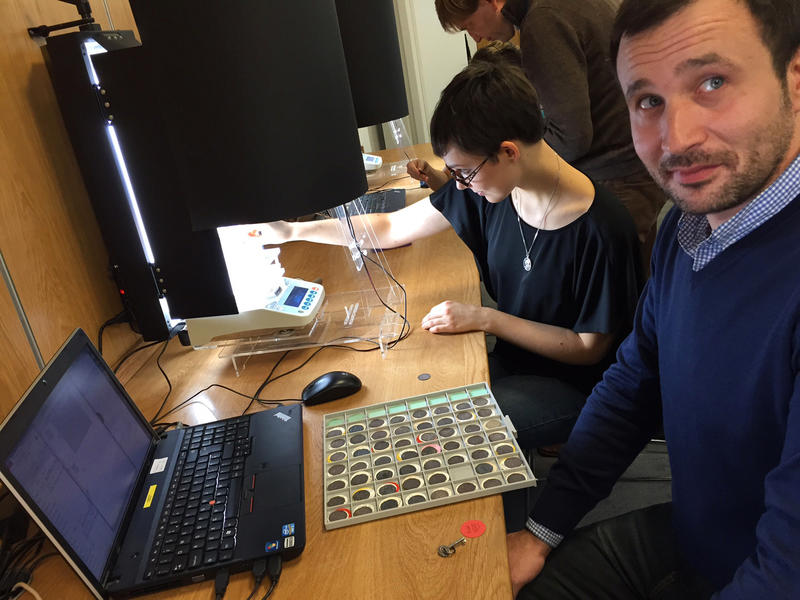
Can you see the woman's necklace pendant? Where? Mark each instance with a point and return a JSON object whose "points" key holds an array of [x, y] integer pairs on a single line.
{"points": [[526, 263]]}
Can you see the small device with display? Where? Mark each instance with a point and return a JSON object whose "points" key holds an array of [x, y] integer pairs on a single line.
{"points": [[371, 161], [295, 305]]}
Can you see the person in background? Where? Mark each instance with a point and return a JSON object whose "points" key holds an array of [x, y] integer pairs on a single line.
{"points": [[713, 91], [564, 47], [557, 252]]}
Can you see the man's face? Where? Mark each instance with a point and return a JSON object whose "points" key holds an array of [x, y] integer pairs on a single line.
{"points": [[487, 23], [710, 119]]}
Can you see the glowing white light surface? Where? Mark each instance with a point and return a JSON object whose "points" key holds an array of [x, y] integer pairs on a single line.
{"points": [[255, 273], [93, 48], [123, 172]]}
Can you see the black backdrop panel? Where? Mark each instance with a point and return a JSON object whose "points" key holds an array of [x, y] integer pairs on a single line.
{"points": [[374, 66], [190, 262], [256, 104]]}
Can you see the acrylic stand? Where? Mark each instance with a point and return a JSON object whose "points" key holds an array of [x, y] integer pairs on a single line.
{"points": [[371, 315], [390, 171]]}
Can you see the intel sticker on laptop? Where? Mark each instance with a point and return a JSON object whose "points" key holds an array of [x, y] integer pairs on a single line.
{"points": [[287, 529]]}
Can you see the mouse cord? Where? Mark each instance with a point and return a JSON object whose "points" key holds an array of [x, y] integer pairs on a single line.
{"points": [[270, 379], [267, 381], [188, 400]]}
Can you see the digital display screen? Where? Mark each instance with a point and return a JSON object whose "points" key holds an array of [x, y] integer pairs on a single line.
{"points": [[80, 459], [295, 296]]}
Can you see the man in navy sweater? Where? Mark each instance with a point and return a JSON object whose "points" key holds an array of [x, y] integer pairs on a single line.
{"points": [[713, 92]]}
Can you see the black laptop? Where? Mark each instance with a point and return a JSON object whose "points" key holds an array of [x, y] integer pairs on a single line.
{"points": [[132, 511]]}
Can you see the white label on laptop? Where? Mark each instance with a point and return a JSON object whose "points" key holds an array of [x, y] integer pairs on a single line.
{"points": [[159, 465], [288, 542], [283, 417]]}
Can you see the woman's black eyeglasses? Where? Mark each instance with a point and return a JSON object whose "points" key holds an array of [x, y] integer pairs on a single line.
{"points": [[466, 180]]}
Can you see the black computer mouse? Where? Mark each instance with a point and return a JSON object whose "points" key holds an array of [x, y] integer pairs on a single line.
{"points": [[330, 386]]}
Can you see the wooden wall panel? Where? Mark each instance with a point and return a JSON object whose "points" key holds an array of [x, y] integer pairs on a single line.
{"points": [[48, 233], [18, 367]]}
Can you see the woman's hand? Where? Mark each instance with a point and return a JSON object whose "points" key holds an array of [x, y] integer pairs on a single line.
{"points": [[417, 169], [276, 232], [453, 317], [422, 171]]}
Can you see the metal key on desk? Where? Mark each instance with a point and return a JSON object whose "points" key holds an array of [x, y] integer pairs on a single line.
{"points": [[448, 551]]}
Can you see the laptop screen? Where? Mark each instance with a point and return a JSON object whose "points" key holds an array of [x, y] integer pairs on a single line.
{"points": [[80, 457]]}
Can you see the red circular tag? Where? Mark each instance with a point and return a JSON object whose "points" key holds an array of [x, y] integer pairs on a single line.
{"points": [[473, 529]]}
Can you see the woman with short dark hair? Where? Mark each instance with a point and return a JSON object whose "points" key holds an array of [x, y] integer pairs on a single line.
{"points": [[558, 253]]}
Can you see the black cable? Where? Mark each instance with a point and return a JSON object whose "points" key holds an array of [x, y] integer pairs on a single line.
{"points": [[170, 334], [162, 427], [404, 316], [205, 389], [388, 181], [403, 333], [271, 589], [301, 365], [274, 568], [169, 383], [40, 560], [21, 549], [253, 397], [221, 583], [132, 352], [265, 382], [259, 568], [270, 379], [118, 318], [19, 563]]}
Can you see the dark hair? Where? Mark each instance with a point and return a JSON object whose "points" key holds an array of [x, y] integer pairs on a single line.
{"points": [[497, 51], [778, 22], [486, 104], [452, 12]]}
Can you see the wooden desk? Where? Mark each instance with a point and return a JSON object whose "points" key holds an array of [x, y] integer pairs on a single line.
{"points": [[384, 559]]}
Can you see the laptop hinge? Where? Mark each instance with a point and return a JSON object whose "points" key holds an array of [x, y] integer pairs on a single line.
{"points": [[108, 575]]}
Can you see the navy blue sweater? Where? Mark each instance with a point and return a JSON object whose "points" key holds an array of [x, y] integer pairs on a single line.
{"points": [[720, 349]]}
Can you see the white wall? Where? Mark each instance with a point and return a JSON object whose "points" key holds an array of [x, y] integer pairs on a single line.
{"points": [[368, 137], [431, 57]]}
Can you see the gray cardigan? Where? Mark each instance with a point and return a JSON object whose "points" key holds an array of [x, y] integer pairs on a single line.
{"points": [[565, 53]]}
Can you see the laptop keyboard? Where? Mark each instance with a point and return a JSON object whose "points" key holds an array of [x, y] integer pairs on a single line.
{"points": [[199, 521], [384, 201]]}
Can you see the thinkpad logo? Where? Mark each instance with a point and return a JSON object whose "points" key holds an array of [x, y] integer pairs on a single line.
{"points": [[283, 417]]}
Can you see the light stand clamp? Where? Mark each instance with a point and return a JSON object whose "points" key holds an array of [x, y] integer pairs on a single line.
{"points": [[85, 23]]}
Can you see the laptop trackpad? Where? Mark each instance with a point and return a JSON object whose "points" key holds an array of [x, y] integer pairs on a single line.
{"points": [[277, 487]]}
